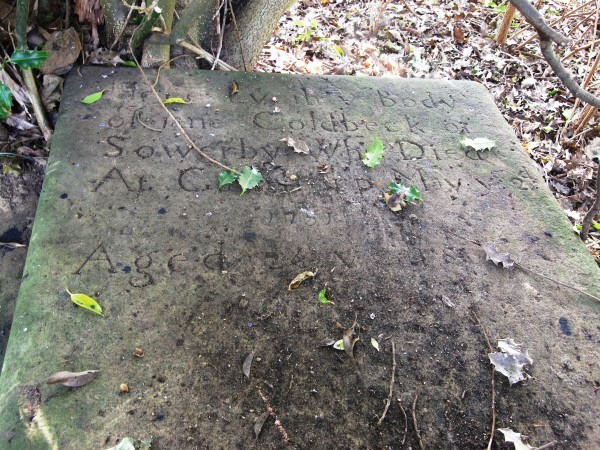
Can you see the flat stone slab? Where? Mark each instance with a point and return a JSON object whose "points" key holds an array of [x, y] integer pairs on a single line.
{"points": [[197, 277]]}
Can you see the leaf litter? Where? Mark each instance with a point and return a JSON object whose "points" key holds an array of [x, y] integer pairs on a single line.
{"points": [[511, 360]]}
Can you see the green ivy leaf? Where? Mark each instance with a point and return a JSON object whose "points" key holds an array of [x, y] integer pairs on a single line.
{"points": [[249, 178], [374, 154], [226, 177], [410, 194], [93, 98], [5, 101], [322, 299], [28, 59], [129, 63], [478, 144]]}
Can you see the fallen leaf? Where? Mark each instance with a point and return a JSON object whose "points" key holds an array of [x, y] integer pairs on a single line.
{"points": [[93, 98], [322, 299], [374, 154], [374, 343], [296, 282], [259, 423], [339, 345], [349, 339], [132, 444], [515, 438], [138, 353], [226, 177], [298, 145], [85, 302], [177, 100], [458, 34], [247, 364], [327, 342], [497, 258], [511, 361], [478, 144], [11, 245], [72, 379], [12, 169], [235, 88], [249, 178]]}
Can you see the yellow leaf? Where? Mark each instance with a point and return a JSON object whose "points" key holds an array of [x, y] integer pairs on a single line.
{"points": [[168, 101], [85, 302]]}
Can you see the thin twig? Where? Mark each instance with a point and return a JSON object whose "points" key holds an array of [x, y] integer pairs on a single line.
{"points": [[389, 398], [548, 445], [414, 415], [520, 266], [405, 421], [493, 382], [144, 125], [222, 35], [271, 411], [181, 129], [204, 54]]}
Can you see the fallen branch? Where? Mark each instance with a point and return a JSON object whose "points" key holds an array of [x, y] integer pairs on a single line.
{"points": [[181, 129], [547, 36], [284, 435], [389, 398], [414, 415], [594, 209]]}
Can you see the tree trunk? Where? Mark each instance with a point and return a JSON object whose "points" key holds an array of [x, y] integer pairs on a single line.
{"points": [[256, 20]]}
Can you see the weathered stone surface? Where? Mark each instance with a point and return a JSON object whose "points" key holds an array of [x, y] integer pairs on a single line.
{"points": [[197, 277]]}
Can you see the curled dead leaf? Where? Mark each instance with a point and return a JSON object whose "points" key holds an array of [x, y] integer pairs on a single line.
{"points": [[296, 282], [298, 145], [72, 379], [235, 88], [138, 352], [497, 258]]}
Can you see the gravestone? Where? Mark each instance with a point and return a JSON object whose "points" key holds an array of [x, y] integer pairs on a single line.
{"points": [[197, 277]]}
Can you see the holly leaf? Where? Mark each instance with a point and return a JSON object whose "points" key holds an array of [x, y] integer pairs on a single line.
{"points": [[322, 298], [93, 98], [374, 154], [510, 360], [5, 101], [478, 144], [249, 178], [85, 302], [399, 195], [226, 177], [178, 100], [28, 59]]}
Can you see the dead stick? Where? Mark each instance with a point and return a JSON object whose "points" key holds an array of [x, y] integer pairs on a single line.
{"points": [[389, 399], [405, 421], [183, 132], [493, 382], [520, 266], [414, 414], [278, 424], [548, 445]]}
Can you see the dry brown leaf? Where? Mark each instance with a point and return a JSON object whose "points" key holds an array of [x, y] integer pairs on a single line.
{"points": [[296, 282], [72, 379], [497, 258], [298, 145]]}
